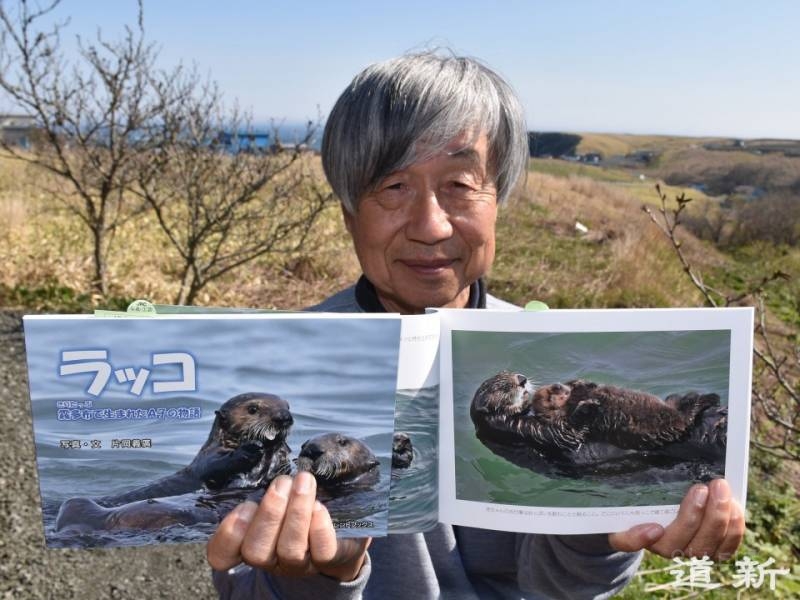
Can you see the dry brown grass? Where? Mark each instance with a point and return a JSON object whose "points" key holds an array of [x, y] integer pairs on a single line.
{"points": [[622, 261], [43, 246], [17, 200]]}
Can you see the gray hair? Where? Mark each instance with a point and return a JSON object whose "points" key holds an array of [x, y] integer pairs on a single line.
{"points": [[377, 122]]}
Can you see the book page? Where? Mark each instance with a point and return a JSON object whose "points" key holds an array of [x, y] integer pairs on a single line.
{"points": [[413, 501], [590, 421], [152, 430]]}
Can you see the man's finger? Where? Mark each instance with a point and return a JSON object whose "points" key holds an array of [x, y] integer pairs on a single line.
{"points": [[680, 532], [735, 534], [636, 538], [339, 558], [322, 536], [292, 549], [258, 546], [223, 549], [714, 526]]}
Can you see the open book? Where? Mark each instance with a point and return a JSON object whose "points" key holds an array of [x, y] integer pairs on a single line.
{"points": [[151, 429]]}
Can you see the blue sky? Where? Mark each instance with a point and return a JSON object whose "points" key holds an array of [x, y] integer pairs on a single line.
{"points": [[728, 68]]}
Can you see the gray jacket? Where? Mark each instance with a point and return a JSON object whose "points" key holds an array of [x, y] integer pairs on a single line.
{"points": [[462, 563]]}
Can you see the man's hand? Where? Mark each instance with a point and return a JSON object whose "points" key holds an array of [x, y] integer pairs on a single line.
{"points": [[288, 533], [709, 523]]}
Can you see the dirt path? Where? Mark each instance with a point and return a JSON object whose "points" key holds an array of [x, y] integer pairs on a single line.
{"points": [[27, 568]]}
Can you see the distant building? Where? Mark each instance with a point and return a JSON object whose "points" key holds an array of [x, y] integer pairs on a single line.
{"points": [[280, 146], [591, 157], [17, 130]]}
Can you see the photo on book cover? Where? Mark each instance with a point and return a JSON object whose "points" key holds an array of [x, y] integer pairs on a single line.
{"points": [[591, 421], [151, 430]]}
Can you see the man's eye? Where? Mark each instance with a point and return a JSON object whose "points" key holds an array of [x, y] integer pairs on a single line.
{"points": [[394, 187], [460, 187]]}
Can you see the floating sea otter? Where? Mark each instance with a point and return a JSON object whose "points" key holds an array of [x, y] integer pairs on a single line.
{"points": [[246, 449], [579, 423], [402, 451], [84, 515], [501, 411], [338, 460]]}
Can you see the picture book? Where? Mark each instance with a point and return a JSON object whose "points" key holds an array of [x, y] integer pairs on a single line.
{"points": [[152, 428]]}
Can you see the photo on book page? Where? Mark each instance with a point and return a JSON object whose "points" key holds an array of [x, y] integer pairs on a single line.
{"points": [[413, 501], [598, 420], [591, 419], [414, 495], [150, 430]]}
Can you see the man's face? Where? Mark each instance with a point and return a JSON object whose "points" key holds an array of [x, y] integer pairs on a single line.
{"points": [[427, 232]]}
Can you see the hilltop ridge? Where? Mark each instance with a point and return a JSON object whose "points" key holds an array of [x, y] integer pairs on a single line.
{"points": [[609, 145]]}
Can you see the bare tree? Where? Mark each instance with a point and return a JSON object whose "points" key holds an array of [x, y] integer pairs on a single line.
{"points": [[776, 385], [221, 200], [92, 115]]}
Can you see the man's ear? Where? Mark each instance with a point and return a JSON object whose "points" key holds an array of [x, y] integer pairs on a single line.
{"points": [[348, 219]]}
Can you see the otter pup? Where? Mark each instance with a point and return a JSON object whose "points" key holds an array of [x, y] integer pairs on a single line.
{"points": [[631, 418], [336, 459], [504, 410], [245, 448], [549, 399]]}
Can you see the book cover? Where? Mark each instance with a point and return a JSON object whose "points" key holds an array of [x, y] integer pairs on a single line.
{"points": [[152, 429]]}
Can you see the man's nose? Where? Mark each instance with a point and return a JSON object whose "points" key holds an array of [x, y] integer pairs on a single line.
{"points": [[429, 221]]}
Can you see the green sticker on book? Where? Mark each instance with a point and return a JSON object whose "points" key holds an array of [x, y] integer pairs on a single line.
{"points": [[141, 307], [536, 306]]}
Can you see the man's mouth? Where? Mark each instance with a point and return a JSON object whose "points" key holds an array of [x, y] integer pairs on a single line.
{"points": [[428, 266]]}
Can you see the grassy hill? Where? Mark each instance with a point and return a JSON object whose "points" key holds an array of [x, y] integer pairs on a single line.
{"points": [[611, 144]]}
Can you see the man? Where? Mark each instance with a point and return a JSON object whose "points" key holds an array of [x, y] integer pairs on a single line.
{"points": [[421, 150]]}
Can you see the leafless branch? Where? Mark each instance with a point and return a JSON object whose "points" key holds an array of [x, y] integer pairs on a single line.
{"points": [[776, 388], [220, 200], [89, 113]]}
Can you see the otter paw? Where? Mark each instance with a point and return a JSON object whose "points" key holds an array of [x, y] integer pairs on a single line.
{"points": [[708, 400], [248, 454], [580, 390], [584, 412], [580, 383]]}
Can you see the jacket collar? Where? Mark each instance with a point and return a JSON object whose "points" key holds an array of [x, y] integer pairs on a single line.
{"points": [[367, 296]]}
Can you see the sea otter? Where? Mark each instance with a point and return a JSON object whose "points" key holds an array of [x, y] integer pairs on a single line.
{"points": [[402, 451], [245, 448], [631, 418], [586, 425], [84, 515], [502, 411], [549, 399], [338, 460]]}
